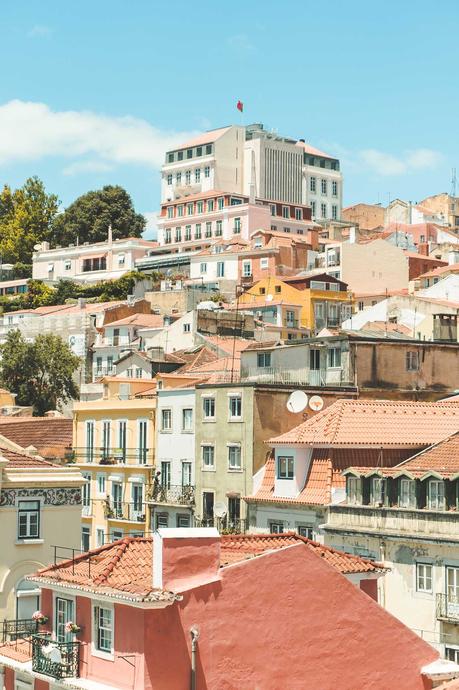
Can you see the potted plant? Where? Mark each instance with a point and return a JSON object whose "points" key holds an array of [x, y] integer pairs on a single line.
{"points": [[118, 454], [40, 618], [71, 627]]}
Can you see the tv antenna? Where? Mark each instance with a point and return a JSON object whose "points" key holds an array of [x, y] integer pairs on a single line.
{"points": [[297, 402], [453, 182]]}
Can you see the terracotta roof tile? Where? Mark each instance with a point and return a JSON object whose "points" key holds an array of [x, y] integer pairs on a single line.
{"points": [[19, 650], [51, 436], [17, 460], [382, 423], [140, 320]]}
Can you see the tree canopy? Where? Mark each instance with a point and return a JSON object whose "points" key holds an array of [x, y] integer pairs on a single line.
{"points": [[88, 218], [41, 372]]}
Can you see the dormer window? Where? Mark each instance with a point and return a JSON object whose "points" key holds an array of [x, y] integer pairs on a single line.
{"points": [[378, 491], [285, 467], [407, 498], [436, 495], [353, 490]]}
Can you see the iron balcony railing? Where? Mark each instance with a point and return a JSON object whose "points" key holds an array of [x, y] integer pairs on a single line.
{"points": [[104, 371], [114, 456], [227, 525], [448, 608], [55, 659], [119, 510], [18, 629], [172, 493], [291, 323]]}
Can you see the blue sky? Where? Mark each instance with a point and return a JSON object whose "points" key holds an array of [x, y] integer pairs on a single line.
{"points": [[93, 93]]}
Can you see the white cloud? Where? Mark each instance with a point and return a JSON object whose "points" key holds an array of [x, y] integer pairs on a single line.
{"points": [[32, 131], [39, 30], [386, 164], [88, 166], [151, 228]]}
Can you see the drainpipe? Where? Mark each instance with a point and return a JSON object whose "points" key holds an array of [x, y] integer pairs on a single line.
{"points": [[194, 632]]}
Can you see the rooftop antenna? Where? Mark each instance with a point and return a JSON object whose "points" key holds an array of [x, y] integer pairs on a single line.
{"points": [[453, 182]]}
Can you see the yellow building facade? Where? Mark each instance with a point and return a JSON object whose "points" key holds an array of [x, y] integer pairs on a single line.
{"points": [[114, 447], [323, 301]]}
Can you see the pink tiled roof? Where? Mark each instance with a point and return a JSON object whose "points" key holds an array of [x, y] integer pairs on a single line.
{"points": [[204, 138], [313, 151], [139, 319], [381, 423], [51, 436], [440, 270], [21, 460]]}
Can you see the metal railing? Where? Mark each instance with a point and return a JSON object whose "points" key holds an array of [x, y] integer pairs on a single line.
{"points": [[104, 371], [114, 456], [172, 493], [55, 659], [18, 629], [119, 510], [226, 525], [448, 608], [275, 375], [291, 323]]}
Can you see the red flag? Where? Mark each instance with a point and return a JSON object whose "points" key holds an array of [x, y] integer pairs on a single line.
{"points": [[240, 106]]}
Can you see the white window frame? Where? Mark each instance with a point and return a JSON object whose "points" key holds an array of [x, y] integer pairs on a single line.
{"points": [[247, 268], [234, 467], [206, 467], [237, 397], [205, 416], [166, 429], [407, 499], [185, 429], [99, 476], [435, 504], [102, 654], [289, 467], [422, 578], [264, 263]]}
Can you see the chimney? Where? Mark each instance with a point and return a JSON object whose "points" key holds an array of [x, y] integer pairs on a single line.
{"points": [[352, 234], [423, 248], [185, 557], [453, 257]]}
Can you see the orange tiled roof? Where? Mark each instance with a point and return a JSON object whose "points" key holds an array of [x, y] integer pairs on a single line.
{"points": [[124, 567], [19, 460], [440, 270], [204, 138], [228, 343], [375, 423], [142, 320], [441, 458], [51, 436], [19, 650]]}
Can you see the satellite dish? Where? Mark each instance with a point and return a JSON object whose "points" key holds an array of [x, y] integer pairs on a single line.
{"points": [[269, 298], [220, 509], [297, 401], [316, 403]]}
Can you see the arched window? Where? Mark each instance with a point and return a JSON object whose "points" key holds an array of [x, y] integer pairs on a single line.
{"points": [[27, 599]]}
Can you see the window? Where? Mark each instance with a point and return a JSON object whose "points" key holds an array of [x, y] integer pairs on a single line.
{"points": [[273, 209], [199, 151], [166, 474], [334, 188], [285, 467], [312, 184], [219, 228], [452, 585], [186, 473], [208, 457], [407, 493], [103, 619], [101, 484], [378, 490], [209, 229], [166, 420], [89, 441], [100, 537], [170, 211], [247, 268], [197, 175], [285, 212], [187, 419], [178, 178], [263, 359], [106, 438], [203, 268], [142, 436], [305, 531], [162, 520], [264, 264], [180, 211], [200, 207], [352, 490], [178, 234], [187, 327], [298, 214], [235, 406], [221, 203], [220, 269], [64, 613], [436, 493], [207, 171], [234, 509], [187, 233], [208, 406], [452, 653], [67, 265], [197, 231], [276, 527], [180, 155], [360, 306], [138, 373], [168, 236], [412, 360], [28, 519], [122, 435], [169, 180], [423, 577], [234, 457], [183, 520], [237, 226], [334, 356], [85, 538], [188, 177], [335, 212], [313, 208], [323, 210], [210, 205]]}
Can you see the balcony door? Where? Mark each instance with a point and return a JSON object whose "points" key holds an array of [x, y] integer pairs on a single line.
{"points": [[207, 505], [137, 500], [86, 495], [64, 614], [452, 591], [117, 498], [27, 599], [142, 441]]}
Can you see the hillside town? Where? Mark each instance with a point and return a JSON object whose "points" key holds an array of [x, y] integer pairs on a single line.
{"points": [[251, 454]]}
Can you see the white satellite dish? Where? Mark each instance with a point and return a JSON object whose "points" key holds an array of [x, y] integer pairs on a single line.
{"points": [[220, 509], [297, 401], [316, 403], [269, 298]]}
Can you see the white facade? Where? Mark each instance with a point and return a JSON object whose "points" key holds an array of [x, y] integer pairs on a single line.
{"points": [[178, 335], [213, 266], [175, 454], [88, 262]]}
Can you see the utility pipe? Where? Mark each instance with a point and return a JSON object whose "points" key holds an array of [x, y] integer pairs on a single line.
{"points": [[194, 632]]}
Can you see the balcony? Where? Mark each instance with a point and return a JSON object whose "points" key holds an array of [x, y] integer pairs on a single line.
{"points": [[447, 608], [275, 375], [55, 659], [18, 629], [291, 323], [226, 525], [114, 456], [104, 371], [173, 494], [132, 512]]}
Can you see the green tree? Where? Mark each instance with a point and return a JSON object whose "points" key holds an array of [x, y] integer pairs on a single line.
{"points": [[40, 373], [88, 218], [26, 218]]}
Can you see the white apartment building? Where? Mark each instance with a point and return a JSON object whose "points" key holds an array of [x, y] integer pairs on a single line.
{"points": [[175, 455], [257, 163], [89, 263]]}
